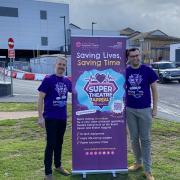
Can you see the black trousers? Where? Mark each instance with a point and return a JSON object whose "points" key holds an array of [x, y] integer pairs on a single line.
{"points": [[55, 130]]}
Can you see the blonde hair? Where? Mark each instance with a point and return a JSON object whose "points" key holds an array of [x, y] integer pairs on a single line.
{"points": [[60, 57]]}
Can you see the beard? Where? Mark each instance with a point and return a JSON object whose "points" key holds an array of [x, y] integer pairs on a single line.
{"points": [[60, 70], [136, 64]]}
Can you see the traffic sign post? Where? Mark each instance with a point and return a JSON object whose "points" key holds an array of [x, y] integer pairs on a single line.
{"points": [[11, 55], [11, 69], [11, 43]]}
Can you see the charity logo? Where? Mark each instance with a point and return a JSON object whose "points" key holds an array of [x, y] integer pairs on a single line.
{"points": [[86, 45], [120, 44], [135, 89], [100, 89], [61, 89], [135, 80], [117, 45], [78, 44]]}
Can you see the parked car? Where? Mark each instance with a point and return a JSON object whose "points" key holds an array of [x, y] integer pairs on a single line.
{"points": [[166, 71], [177, 64]]}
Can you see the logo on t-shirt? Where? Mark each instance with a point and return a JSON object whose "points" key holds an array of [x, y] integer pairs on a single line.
{"points": [[61, 90], [135, 88]]}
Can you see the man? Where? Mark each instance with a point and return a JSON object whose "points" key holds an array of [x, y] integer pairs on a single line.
{"points": [[53, 97], [140, 79]]}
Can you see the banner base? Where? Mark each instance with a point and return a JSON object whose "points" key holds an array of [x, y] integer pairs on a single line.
{"points": [[113, 171]]}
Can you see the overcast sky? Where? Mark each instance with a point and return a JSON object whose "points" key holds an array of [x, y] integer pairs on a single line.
{"points": [[141, 15]]}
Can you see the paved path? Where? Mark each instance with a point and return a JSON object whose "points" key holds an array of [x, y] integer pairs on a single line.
{"points": [[168, 105], [18, 115]]}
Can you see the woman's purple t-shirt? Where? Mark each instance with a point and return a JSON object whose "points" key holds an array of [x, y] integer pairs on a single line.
{"points": [[138, 83], [55, 101]]}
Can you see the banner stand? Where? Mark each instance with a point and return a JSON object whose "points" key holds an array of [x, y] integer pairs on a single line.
{"points": [[85, 172], [99, 141]]}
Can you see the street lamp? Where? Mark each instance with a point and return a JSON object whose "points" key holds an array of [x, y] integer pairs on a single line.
{"points": [[65, 51], [64, 18], [93, 27]]}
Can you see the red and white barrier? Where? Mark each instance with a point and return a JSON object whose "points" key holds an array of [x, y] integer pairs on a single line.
{"points": [[29, 76], [6, 72], [26, 75], [9, 73], [19, 75], [39, 77], [14, 74]]}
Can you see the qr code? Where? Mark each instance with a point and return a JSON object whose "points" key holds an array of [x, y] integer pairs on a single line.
{"points": [[117, 106]]}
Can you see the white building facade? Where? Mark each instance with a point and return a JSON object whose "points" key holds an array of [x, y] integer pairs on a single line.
{"points": [[34, 25], [175, 52]]}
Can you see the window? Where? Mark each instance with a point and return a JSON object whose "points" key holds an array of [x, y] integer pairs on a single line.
{"points": [[43, 14], [167, 66], [8, 11], [177, 55], [154, 66], [44, 41]]}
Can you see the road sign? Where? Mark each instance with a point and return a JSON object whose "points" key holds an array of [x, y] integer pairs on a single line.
{"points": [[11, 43], [11, 53]]}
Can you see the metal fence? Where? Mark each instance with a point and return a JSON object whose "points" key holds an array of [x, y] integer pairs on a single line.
{"points": [[46, 65], [3, 77], [21, 65]]}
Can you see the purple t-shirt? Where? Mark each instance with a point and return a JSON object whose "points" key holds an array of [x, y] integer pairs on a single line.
{"points": [[138, 83], [56, 89]]}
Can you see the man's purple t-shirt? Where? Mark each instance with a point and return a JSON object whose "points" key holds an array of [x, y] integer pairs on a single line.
{"points": [[138, 83], [56, 89]]}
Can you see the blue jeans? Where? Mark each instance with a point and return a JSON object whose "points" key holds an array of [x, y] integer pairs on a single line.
{"points": [[139, 123]]}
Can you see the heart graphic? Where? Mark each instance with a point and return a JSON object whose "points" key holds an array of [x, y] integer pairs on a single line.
{"points": [[100, 77]]}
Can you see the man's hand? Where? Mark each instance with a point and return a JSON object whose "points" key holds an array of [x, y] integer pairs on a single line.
{"points": [[41, 122], [154, 112]]}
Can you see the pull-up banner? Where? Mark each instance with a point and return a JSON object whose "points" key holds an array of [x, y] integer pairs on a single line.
{"points": [[98, 103]]}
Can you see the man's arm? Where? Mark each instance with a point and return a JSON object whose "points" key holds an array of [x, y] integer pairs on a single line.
{"points": [[40, 109], [155, 98]]}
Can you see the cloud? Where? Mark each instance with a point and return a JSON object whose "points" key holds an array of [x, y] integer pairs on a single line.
{"points": [[142, 15]]}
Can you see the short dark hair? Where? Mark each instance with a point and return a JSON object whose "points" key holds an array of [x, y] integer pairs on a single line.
{"points": [[131, 50]]}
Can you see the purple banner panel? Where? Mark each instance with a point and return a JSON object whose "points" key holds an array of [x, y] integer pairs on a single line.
{"points": [[99, 127]]}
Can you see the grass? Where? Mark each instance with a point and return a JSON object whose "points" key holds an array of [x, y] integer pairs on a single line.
{"points": [[22, 148], [12, 107]]}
